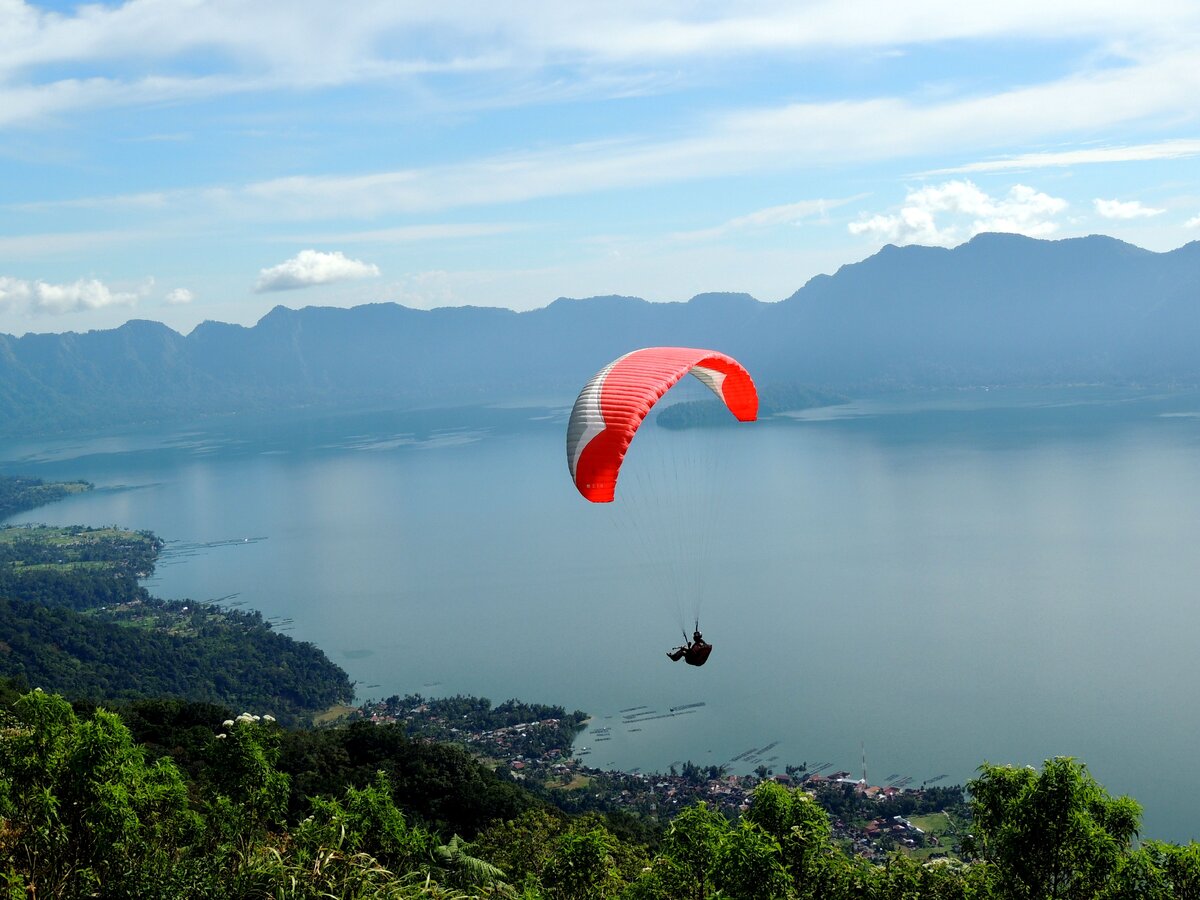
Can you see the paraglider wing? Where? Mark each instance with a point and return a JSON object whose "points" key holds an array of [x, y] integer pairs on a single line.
{"points": [[613, 404]]}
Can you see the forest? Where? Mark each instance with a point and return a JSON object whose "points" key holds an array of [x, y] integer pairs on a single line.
{"points": [[172, 799], [74, 619]]}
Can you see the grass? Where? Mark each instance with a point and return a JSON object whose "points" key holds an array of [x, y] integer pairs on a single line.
{"points": [[333, 714], [52, 548], [65, 537], [95, 565], [148, 618]]}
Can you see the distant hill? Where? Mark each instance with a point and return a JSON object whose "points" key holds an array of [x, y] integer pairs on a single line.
{"points": [[21, 493], [999, 309]]}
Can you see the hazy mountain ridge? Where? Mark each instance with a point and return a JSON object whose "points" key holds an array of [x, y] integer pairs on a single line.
{"points": [[999, 309]]}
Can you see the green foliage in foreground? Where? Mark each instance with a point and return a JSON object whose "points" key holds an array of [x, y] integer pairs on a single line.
{"points": [[86, 810]]}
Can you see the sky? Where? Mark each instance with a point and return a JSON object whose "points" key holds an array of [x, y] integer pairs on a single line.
{"points": [[192, 160]]}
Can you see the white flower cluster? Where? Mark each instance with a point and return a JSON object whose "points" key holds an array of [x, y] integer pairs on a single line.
{"points": [[244, 717]]}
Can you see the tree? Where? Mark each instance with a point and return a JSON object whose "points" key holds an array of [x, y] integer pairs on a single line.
{"points": [[1052, 835], [583, 866], [686, 865], [1180, 866], [904, 878], [1157, 871], [749, 864], [250, 793], [801, 826], [82, 807], [522, 846], [367, 821]]}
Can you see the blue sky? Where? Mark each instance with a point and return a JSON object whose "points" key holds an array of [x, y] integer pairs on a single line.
{"points": [[183, 161]]}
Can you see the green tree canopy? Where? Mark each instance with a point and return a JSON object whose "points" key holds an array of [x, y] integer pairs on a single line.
{"points": [[1052, 835]]}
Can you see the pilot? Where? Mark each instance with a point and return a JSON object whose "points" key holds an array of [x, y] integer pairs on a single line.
{"points": [[695, 652]]}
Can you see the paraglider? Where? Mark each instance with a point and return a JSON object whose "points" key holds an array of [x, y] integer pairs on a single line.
{"points": [[694, 652], [614, 403]]}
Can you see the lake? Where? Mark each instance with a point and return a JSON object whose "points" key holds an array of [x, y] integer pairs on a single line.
{"points": [[938, 580]]}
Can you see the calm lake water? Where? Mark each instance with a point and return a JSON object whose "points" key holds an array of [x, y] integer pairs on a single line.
{"points": [[942, 580]]}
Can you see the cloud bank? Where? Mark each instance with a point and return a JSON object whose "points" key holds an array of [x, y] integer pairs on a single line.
{"points": [[947, 214], [44, 298]]}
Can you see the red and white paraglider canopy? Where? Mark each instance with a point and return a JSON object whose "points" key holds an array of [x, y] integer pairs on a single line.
{"points": [[615, 401]]}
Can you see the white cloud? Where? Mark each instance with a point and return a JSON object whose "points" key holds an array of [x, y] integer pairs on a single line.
{"points": [[772, 217], [144, 52], [1193, 222], [1177, 148], [303, 36], [312, 267], [623, 30], [84, 294], [13, 291], [180, 297], [949, 213], [38, 297], [1124, 209], [763, 140]]}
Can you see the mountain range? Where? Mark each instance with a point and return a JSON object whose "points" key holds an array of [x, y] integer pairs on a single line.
{"points": [[999, 309]]}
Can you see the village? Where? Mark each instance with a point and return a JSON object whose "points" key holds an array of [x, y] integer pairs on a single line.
{"points": [[534, 745]]}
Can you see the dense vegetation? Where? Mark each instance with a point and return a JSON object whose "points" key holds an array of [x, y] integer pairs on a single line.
{"points": [[440, 786], [482, 713], [219, 656], [73, 619], [162, 800], [75, 566], [19, 493], [511, 728]]}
